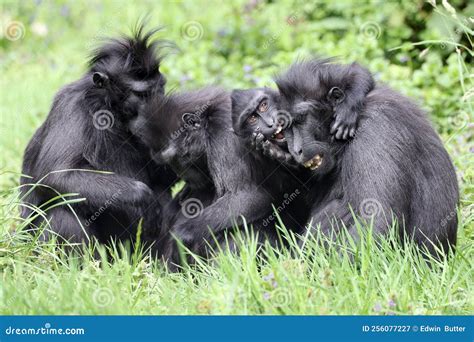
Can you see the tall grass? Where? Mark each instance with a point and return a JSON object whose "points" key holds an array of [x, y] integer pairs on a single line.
{"points": [[323, 277]]}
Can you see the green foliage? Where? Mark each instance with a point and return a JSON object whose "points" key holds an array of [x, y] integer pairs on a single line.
{"points": [[424, 51]]}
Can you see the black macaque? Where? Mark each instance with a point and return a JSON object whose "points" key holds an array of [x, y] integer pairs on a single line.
{"points": [[342, 87], [259, 121], [87, 131], [394, 170], [255, 114], [225, 183]]}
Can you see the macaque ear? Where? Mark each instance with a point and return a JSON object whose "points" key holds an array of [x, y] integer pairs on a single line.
{"points": [[336, 95], [100, 79]]}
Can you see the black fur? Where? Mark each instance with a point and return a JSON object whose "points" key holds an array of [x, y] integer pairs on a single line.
{"points": [[86, 131], [341, 87], [395, 168], [257, 125], [229, 182]]}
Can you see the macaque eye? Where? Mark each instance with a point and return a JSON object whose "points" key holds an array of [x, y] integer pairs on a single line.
{"points": [[141, 94], [263, 106], [252, 119]]}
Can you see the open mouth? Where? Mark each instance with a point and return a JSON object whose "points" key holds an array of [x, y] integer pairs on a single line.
{"points": [[314, 162], [279, 135]]}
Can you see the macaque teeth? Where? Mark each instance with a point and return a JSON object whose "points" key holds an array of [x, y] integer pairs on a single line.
{"points": [[314, 162], [278, 134]]}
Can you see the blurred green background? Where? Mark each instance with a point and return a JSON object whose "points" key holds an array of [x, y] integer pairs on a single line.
{"points": [[423, 49], [238, 44]]}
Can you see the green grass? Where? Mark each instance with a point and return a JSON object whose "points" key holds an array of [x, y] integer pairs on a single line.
{"points": [[380, 280], [39, 279]]}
